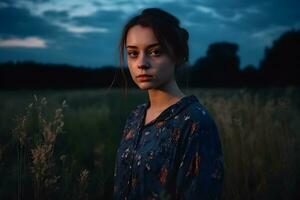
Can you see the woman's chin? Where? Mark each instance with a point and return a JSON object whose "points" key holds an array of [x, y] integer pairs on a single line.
{"points": [[145, 86]]}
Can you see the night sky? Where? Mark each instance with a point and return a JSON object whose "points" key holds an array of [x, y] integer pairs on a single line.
{"points": [[87, 32]]}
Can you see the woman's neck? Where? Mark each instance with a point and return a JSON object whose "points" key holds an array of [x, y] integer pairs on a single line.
{"points": [[164, 97]]}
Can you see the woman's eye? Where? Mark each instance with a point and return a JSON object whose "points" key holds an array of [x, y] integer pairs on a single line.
{"points": [[132, 54], [155, 52]]}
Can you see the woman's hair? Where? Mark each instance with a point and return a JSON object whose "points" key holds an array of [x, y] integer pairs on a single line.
{"points": [[166, 27]]}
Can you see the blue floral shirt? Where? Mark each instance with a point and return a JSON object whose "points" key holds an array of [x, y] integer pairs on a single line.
{"points": [[178, 155]]}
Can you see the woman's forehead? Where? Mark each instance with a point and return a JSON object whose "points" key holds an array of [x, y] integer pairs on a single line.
{"points": [[140, 36]]}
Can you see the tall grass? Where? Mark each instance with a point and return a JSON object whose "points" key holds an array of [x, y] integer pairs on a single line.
{"points": [[68, 152], [259, 138], [36, 138]]}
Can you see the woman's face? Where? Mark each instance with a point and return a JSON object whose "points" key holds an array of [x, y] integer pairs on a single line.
{"points": [[146, 57]]}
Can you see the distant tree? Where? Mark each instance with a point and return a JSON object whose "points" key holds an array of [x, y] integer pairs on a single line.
{"points": [[31, 75], [250, 69], [281, 63], [220, 66], [250, 76]]}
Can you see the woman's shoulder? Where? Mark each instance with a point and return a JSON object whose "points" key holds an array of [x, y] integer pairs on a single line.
{"points": [[200, 124], [197, 113], [135, 113], [137, 110]]}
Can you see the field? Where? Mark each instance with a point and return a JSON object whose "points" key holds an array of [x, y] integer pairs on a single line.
{"points": [[62, 144]]}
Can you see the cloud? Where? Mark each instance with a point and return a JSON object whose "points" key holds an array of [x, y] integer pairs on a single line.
{"points": [[86, 29], [257, 15], [73, 7], [215, 14], [65, 15], [19, 22], [3, 5], [81, 29], [78, 8], [56, 15], [101, 17], [29, 42], [266, 36]]}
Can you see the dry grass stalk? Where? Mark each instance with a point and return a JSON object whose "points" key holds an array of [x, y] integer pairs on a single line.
{"points": [[99, 155], [20, 133], [258, 144], [43, 162], [83, 183]]}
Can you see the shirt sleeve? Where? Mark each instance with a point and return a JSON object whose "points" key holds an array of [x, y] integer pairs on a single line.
{"points": [[120, 184], [200, 174]]}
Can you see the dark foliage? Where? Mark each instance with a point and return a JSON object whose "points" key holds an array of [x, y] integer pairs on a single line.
{"points": [[281, 63], [219, 68], [28, 75]]}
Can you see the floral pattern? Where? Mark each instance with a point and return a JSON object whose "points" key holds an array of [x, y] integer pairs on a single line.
{"points": [[178, 155]]}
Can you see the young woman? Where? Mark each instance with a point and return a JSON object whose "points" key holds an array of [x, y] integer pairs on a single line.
{"points": [[170, 147]]}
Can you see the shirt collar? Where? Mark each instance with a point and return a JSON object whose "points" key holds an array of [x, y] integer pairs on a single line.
{"points": [[170, 111]]}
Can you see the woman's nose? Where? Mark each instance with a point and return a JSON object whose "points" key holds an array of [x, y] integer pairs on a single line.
{"points": [[143, 66], [143, 63]]}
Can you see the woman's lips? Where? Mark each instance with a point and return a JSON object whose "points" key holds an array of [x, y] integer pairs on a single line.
{"points": [[144, 77]]}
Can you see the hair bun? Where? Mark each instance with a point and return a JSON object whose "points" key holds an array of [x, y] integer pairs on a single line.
{"points": [[161, 14]]}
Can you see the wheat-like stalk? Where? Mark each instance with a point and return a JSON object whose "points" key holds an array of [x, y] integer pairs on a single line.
{"points": [[37, 136], [83, 184]]}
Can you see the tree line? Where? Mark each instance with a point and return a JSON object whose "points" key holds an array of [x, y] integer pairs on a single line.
{"points": [[220, 67]]}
